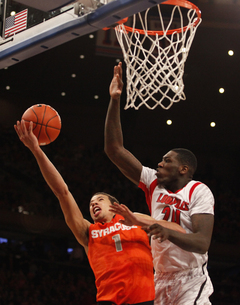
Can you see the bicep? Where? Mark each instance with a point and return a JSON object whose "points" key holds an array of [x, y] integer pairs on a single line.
{"points": [[81, 232], [203, 224]]}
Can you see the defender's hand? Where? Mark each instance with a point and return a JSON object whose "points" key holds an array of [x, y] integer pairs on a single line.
{"points": [[116, 85]]}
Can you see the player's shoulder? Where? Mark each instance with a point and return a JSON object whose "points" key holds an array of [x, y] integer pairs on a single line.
{"points": [[148, 175], [193, 184], [147, 171], [197, 188]]}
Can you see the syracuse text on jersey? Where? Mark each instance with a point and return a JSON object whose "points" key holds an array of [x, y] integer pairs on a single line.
{"points": [[114, 228]]}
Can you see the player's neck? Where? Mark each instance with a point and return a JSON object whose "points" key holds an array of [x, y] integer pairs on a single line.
{"points": [[175, 186], [105, 219]]}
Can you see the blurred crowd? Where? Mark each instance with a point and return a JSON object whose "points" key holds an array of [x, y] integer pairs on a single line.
{"points": [[37, 272], [40, 272]]}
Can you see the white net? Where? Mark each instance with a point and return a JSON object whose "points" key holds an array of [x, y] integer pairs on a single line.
{"points": [[155, 60]]}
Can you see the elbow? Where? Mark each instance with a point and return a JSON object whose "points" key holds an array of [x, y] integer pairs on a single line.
{"points": [[203, 248], [109, 149], [112, 151], [202, 251], [61, 192]]}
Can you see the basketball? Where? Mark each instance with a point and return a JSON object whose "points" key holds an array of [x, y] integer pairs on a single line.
{"points": [[46, 122]]}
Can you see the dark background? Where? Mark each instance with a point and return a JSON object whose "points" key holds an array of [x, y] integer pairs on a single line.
{"points": [[29, 211]]}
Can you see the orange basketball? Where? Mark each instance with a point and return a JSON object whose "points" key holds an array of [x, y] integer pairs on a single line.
{"points": [[46, 122]]}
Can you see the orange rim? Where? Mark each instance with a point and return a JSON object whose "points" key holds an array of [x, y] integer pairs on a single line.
{"points": [[182, 3], [119, 22]]}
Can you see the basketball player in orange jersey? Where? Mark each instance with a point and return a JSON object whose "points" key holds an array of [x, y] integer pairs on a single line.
{"points": [[119, 255], [180, 262]]}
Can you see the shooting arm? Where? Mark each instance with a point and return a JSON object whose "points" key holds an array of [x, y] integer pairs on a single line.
{"points": [[73, 216]]}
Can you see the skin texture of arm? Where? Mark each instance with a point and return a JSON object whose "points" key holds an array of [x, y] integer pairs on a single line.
{"points": [[113, 146], [73, 216], [143, 220], [198, 241], [202, 224]]}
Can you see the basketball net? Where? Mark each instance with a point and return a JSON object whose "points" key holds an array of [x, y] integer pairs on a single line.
{"points": [[155, 59]]}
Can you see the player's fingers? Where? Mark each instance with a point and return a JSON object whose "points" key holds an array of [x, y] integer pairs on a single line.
{"points": [[122, 221], [23, 126], [30, 127], [120, 69], [114, 205], [154, 226], [16, 127], [19, 131], [19, 128], [123, 207], [163, 238], [116, 70], [118, 206], [155, 232], [156, 236], [114, 208], [145, 228]]}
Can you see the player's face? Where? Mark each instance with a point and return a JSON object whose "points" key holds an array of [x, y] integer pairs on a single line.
{"points": [[99, 208], [168, 170]]}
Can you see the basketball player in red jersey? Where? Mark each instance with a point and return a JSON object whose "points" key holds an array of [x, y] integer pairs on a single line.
{"points": [[119, 255], [180, 262]]}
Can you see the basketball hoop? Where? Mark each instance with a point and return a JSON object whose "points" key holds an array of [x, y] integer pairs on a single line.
{"points": [[155, 59]]}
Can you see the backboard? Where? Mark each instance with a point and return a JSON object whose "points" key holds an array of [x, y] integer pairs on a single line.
{"points": [[45, 24]]}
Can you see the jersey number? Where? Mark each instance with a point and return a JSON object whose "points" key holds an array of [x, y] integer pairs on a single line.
{"points": [[175, 215], [118, 243]]}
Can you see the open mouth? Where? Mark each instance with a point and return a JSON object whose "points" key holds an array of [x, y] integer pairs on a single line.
{"points": [[96, 211]]}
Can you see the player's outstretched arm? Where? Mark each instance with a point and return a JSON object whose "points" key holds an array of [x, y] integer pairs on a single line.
{"points": [[113, 147], [143, 220], [71, 211], [198, 241]]}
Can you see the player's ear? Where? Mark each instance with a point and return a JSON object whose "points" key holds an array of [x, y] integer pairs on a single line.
{"points": [[184, 169]]}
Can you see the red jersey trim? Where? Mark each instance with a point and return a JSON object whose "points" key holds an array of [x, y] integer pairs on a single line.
{"points": [[192, 189], [148, 193]]}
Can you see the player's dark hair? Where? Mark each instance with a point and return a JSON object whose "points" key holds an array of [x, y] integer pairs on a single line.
{"points": [[110, 197], [186, 157]]}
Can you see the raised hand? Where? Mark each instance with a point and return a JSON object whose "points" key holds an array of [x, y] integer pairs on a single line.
{"points": [[116, 85], [26, 135]]}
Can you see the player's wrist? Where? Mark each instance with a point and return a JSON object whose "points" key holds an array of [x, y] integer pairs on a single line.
{"points": [[36, 150]]}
